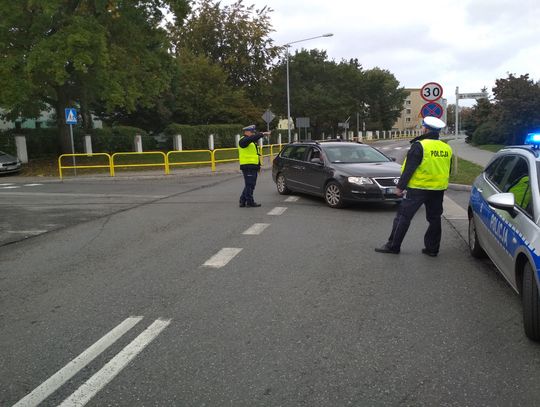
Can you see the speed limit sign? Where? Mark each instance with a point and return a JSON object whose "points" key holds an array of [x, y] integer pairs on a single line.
{"points": [[431, 91]]}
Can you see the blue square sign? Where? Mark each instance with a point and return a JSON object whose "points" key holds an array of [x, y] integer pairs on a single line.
{"points": [[71, 115]]}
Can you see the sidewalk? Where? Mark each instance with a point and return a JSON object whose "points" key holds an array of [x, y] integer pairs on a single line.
{"points": [[470, 153]]}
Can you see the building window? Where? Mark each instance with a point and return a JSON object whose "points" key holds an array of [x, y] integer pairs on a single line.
{"points": [[408, 119], [407, 102], [408, 111]]}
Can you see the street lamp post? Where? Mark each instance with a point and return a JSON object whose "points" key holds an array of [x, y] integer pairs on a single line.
{"points": [[288, 86]]}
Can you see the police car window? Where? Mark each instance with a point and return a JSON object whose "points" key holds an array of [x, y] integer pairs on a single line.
{"points": [[502, 171], [518, 183]]}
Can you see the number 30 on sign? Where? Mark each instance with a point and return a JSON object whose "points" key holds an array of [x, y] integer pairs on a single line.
{"points": [[431, 91]]}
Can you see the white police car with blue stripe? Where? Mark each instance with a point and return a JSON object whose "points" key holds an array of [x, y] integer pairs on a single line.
{"points": [[504, 223]]}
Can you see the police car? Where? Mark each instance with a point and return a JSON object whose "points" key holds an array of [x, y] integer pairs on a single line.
{"points": [[504, 223]]}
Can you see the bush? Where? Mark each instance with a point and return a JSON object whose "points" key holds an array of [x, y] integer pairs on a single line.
{"points": [[39, 142], [488, 133], [117, 139], [196, 137]]}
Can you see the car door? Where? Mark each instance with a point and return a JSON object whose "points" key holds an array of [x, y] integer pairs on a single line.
{"points": [[296, 167], [489, 223], [314, 174]]}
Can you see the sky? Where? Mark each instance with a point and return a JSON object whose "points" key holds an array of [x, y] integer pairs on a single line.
{"points": [[457, 43]]}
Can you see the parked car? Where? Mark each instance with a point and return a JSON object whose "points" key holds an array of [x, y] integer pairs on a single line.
{"points": [[504, 223], [338, 171], [8, 163]]}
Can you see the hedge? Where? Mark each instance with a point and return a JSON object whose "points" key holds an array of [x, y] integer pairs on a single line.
{"points": [[196, 137]]}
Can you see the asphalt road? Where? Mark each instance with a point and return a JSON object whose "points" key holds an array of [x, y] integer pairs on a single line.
{"points": [[118, 299]]}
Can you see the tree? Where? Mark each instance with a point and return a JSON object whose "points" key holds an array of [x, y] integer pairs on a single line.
{"points": [[236, 37], [89, 53], [518, 106]]}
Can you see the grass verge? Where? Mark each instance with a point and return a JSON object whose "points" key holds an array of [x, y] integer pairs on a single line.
{"points": [[466, 172]]}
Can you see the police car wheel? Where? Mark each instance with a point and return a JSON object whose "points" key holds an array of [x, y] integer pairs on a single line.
{"points": [[531, 304], [281, 185], [474, 245], [333, 195]]}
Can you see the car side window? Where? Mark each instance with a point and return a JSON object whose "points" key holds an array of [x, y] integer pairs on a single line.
{"points": [[314, 153], [286, 153], [499, 173], [298, 153], [518, 183]]}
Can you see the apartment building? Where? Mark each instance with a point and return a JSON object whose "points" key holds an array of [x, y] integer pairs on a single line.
{"points": [[411, 117]]}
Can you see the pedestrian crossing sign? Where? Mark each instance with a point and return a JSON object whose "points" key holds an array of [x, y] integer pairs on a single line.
{"points": [[71, 115]]}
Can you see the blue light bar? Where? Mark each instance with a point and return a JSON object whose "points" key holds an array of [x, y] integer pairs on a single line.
{"points": [[533, 138]]}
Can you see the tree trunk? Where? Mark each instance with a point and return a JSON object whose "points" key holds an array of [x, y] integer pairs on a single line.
{"points": [[63, 128]]}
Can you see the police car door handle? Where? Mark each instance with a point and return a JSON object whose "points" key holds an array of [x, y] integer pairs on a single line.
{"points": [[479, 189]]}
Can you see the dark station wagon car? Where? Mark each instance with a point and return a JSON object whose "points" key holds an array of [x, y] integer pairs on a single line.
{"points": [[339, 171]]}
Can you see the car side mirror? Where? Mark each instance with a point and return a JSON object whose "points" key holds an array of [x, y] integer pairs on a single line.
{"points": [[316, 160], [504, 201]]}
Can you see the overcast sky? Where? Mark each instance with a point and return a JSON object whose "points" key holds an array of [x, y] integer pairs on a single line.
{"points": [[465, 43]]}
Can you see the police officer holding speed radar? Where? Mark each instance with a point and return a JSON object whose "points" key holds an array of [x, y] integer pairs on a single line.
{"points": [[424, 176], [250, 163]]}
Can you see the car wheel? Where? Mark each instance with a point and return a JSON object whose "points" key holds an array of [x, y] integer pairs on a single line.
{"points": [[474, 245], [531, 304], [281, 185], [333, 195]]}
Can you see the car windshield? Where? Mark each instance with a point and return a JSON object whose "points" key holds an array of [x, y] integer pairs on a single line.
{"points": [[353, 154]]}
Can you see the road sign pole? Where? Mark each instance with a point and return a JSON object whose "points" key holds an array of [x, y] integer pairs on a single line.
{"points": [[456, 130], [72, 147]]}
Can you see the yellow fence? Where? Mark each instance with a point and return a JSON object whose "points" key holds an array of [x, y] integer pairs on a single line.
{"points": [[170, 159]]}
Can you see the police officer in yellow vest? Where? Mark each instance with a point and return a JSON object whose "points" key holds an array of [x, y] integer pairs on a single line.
{"points": [[250, 163], [424, 176]]}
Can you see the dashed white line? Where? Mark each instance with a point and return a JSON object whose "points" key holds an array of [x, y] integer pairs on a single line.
{"points": [[292, 199], [5, 185], [222, 257], [48, 387], [11, 187], [256, 229], [108, 372], [32, 185], [278, 210]]}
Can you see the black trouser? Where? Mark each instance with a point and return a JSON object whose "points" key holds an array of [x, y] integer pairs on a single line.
{"points": [[413, 200], [250, 180]]}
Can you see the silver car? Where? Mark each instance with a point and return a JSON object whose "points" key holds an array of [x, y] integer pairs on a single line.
{"points": [[504, 223], [8, 163]]}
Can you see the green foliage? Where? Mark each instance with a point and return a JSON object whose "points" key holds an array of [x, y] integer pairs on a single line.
{"points": [[488, 133], [196, 137], [85, 53], [39, 142], [236, 37], [118, 139]]}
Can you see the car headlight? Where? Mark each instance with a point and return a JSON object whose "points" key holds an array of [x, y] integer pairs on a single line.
{"points": [[360, 180]]}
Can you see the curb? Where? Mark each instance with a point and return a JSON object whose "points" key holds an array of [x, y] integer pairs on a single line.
{"points": [[460, 187]]}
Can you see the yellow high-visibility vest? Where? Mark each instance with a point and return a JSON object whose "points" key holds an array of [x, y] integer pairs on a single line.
{"points": [[434, 170], [249, 154]]}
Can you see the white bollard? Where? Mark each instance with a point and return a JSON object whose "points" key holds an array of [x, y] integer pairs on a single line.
{"points": [[377, 134], [211, 142], [137, 141], [22, 152], [279, 139], [295, 137], [237, 140], [88, 144], [177, 142]]}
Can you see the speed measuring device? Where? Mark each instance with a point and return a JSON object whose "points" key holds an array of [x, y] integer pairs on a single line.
{"points": [[431, 92]]}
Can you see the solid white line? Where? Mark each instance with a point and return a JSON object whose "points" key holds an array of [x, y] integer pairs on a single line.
{"points": [[453, 211], [62, 195], [27, 232], [278, 210], [52, 384], [108, 372], [292, 199], [222, 257], [256, 229]]}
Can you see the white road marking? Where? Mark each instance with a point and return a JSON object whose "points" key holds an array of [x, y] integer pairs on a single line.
{"points": [[453, 211], [5, 185], [278, 210], [60, 194], [256, 229], [222, 257], [292, 199], [32, 185], [108, 372], [52, 384], [11, 187], [398, 148], [27, 232]]}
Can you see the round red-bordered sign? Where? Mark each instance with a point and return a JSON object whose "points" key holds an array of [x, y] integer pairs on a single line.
{"points": [[432, 109], [431, 91]]}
